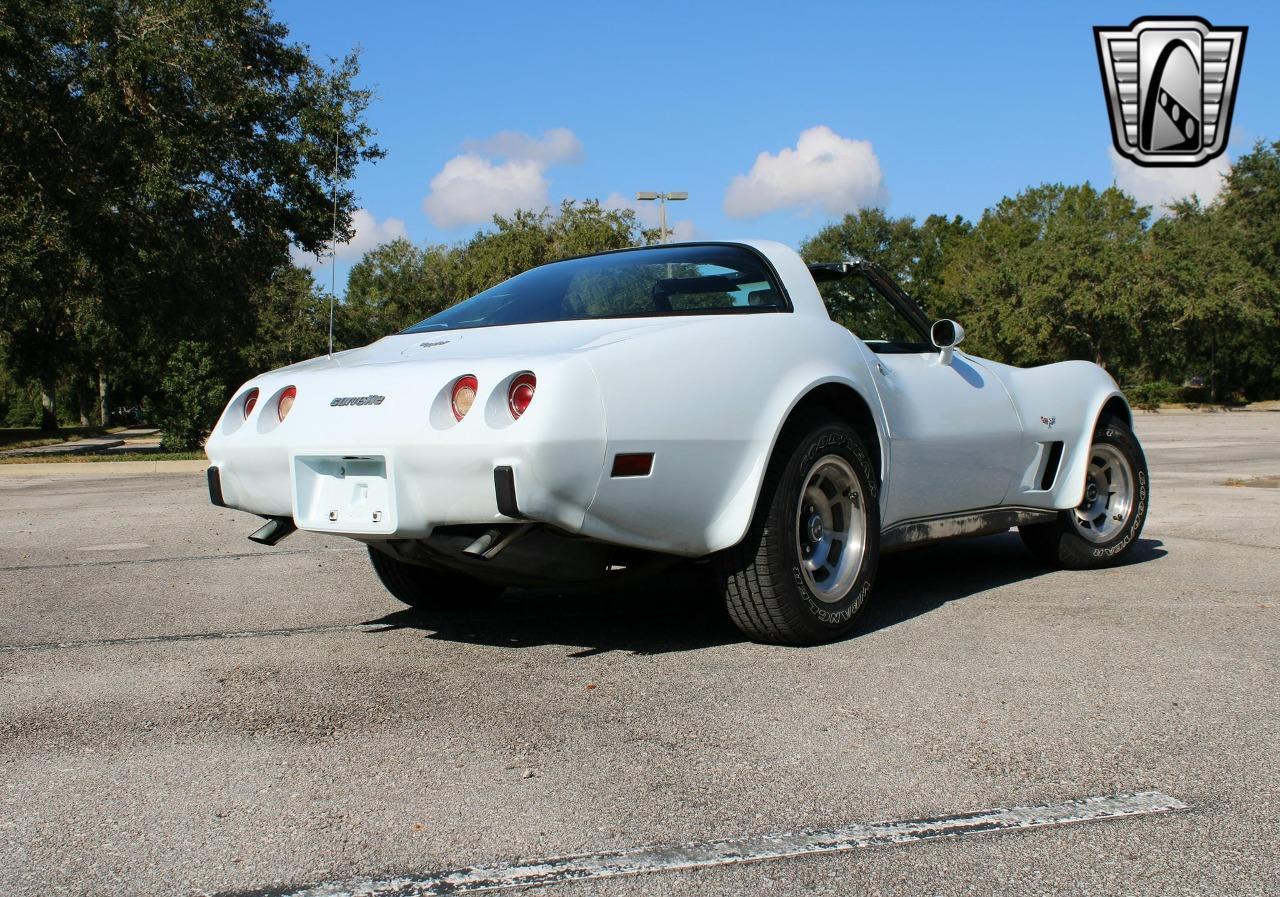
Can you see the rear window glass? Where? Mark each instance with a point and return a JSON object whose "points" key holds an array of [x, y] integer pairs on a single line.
{"points": [[675, 280]]}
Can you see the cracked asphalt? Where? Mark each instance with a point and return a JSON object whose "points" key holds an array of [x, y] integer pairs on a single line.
{"points": [[184, 712]]}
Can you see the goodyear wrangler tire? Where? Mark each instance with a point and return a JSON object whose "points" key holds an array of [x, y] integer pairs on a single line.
{"points": [[1107, 522], [429, 587], [808, 562]]}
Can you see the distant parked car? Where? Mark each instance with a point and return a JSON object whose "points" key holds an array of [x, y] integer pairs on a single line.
{"points": [[619, 412]]}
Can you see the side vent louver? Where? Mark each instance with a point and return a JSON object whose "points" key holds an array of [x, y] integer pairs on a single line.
{"points": [[1051, 464]]}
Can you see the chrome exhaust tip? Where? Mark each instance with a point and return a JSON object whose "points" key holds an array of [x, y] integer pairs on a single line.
{"points": [[493, 541], [275, 529]]}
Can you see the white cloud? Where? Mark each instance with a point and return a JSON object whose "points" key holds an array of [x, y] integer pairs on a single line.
{"points": [[680, 230], [471, 188], [1158, 187], [554, 147], [824, 171], [369, 232], [618, 201]]}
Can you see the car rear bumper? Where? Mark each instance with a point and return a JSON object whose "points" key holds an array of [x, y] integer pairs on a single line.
{"points": [[400, 469], [404, 492]]}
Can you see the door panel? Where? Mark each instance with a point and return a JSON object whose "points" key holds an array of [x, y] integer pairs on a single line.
{"points": [[954, 434]]}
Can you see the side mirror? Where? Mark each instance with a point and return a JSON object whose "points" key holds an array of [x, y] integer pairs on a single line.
{"points": [[946, 335]]}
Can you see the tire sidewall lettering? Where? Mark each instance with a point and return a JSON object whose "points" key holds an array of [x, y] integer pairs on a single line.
{"points": [[837, 615], [1134, 526]]}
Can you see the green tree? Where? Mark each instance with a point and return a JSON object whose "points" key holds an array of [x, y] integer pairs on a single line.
{"points": [[393, 286], [158, 159], [1055, 272], [1216, 270], [1071, 272], [1250, 204], [938, 237], [869, 235], [912, 254], [398, 284], [292, 321], [190, 397], [527, 239], [1250, 219], [40, 288]]}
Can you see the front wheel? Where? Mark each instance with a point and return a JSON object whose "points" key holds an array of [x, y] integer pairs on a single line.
{"points": [[429, 587], [1109, 518], [808, 562]]}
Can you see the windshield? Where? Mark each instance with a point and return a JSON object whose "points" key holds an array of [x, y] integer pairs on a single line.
{"points": [[674, 280]]}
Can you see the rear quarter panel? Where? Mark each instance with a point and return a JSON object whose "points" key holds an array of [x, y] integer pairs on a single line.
{"points": [[709, 400]]}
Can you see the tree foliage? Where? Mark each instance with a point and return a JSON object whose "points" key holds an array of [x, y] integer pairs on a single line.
{"points": [[912, 254], [1052, 273], [292, 318], [398, 284], [392, 286], [158, 160], [191, 395], [1188, 304]]}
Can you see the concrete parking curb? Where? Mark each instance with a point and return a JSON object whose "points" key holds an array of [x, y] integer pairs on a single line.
{"points": [[101, 468]]}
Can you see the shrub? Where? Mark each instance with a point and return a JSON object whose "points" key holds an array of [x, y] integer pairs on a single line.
{"points": [[23, 408], [191, 396], [1150, 396]]}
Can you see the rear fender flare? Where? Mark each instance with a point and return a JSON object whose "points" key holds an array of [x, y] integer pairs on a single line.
{"points": [[730, 526]]}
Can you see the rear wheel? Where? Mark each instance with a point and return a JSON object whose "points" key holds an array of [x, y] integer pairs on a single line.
{"points": [[808, 562], [428, 587], [1109, 518]]}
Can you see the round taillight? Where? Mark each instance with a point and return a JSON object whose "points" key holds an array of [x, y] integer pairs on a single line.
{"points": [[521, 394], [286, 402], [249, 401], [464, 395]]}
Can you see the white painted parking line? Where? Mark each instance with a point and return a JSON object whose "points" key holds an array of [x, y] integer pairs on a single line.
{"points": [[728, 851]]}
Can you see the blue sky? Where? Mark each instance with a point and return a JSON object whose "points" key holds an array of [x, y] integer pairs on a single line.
{"points": [[924, 108]]}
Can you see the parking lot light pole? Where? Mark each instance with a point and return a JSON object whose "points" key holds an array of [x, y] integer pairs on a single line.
{"points": [[674, 196]]}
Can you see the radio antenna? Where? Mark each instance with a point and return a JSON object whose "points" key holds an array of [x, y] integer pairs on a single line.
{"points": [[333, 255]]}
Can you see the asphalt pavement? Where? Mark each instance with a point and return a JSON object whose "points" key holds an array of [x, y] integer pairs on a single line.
{"points": [[185, 712]]}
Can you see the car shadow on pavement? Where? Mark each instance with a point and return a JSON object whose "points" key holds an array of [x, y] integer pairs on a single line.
{"points": [[680, 611], [677, 610], [912, 583]]}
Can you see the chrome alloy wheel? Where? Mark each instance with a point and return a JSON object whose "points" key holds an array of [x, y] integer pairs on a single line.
{"points": [[1109, 491], [831, 528]]}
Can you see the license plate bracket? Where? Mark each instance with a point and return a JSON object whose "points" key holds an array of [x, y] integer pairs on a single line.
{"points": [[343, 494]]}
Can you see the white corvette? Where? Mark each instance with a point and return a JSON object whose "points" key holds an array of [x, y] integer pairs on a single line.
{"points": [[618, 412]]}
